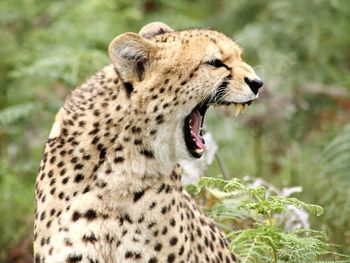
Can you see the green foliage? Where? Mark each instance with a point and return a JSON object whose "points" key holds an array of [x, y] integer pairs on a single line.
{"points": [[336, 155], [265, 240], [12, 114], [17, 204]]}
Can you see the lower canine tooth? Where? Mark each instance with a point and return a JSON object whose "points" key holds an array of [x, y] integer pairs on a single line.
{"points": [[198, 150]]}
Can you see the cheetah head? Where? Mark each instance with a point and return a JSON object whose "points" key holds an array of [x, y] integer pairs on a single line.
{"points": [[182, 74]]}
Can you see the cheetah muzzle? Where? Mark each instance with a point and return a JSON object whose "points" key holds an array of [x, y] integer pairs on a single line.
{"points": [[109, 186]]}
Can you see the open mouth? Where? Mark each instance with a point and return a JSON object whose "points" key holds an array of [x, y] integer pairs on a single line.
{"points": [[194, 123]]}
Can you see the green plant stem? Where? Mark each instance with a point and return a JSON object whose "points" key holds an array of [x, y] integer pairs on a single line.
{"points": [[275, 258], [269, 218], [268, 215], [222, 165]]}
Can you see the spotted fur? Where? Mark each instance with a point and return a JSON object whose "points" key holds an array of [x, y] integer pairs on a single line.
{"points": [[109, 187]]}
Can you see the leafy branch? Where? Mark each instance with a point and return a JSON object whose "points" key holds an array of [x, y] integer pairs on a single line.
{"points": [[264, 240]]}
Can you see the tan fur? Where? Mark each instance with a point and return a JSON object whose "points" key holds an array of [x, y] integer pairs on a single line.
{"points": [[109, 186]]}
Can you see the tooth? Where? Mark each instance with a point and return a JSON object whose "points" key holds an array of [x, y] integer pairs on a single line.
{"points": [[245, 106], [198, 150], [238, 108]]}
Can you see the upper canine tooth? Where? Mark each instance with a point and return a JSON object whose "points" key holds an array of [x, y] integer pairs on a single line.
{"points": [[245, 106], [238, 108]]}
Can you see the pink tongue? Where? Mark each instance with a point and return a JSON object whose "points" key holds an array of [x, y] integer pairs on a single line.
{"points": [[195, 122]]}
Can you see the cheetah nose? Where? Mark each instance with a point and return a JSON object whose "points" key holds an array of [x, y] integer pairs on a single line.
{"points": [[254, 84]]}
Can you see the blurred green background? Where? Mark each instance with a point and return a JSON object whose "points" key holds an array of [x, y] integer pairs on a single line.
{"points": [[296, 134]]}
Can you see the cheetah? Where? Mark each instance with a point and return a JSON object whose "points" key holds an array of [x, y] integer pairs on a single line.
{"points": [[109, 184]]}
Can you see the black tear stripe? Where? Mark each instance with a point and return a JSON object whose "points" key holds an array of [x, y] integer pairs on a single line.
{"points": [[221, 90], [128, 88]]}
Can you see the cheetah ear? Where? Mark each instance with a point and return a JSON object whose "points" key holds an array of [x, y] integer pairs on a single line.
{"points": [[130, 54], [156, 28]]}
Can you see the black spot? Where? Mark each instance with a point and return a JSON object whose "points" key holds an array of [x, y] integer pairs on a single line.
{"points": [[153, 205], [160, 118], [171, 258], [138, 195], [87, 189], [53, 159], [132, 254], [90, 238], [212, 236], [172, 222], [153, 260], [220, 255], [52, 191], [74, 258], [127, 218], [78, 166], [138, 142], [233, 257], [135, 129], [81, 123], [199, 233], [96, 113], [119, 148], [173, 241], [78, 178], [165, 230], [181, 251], [147, 153], [90, 215], [42, 216], [150, 225], [140, 220], [76, 215], [167, 189], [95, 140], [102, 153], [118, 159], [161, 188], [158, 247], [52, 212], [52, 182], [164, 210], [91, 260]]}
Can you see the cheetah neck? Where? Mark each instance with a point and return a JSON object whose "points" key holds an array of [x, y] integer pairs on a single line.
{"points": [[111, 140]]}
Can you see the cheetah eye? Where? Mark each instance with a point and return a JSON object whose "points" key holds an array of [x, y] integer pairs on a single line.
{"points": [[217, 63]]}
